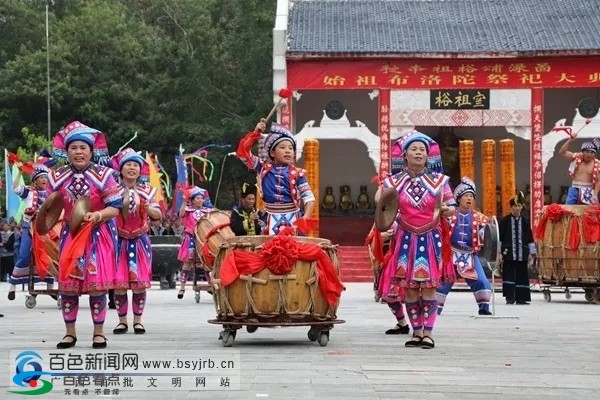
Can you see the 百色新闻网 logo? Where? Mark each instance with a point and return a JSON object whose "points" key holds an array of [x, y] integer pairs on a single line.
{"points": [[28, 374]]}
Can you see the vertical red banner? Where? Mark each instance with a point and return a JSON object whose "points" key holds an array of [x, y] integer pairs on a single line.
{"points": [[285, 114], [384, 132], [537, 171]]}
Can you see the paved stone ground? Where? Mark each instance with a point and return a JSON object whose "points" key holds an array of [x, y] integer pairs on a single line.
{"points": [[550, 351]]}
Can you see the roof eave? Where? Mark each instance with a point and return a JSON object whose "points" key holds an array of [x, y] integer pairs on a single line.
{"points": [[315, 56]]}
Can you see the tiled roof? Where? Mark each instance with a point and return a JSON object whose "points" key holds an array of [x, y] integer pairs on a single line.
{"points": [[443, 26]]}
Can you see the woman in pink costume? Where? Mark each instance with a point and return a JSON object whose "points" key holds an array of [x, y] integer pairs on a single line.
{"points": [[93, 272], [134, 263], [196, 205], [416, 266]]}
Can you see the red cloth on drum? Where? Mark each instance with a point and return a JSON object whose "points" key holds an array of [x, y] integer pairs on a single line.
{"points": [[209, 259], [74, 250], [40, 256], [591, 224], [279, 255]]}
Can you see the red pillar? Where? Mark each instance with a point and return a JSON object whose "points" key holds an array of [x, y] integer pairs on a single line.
{"points": [[384, 132], [537, 171]]}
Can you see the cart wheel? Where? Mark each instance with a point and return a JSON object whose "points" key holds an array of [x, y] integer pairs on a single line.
{"points": [[589, 295], [251, 329], [323, 339], [30, 301], [313, 334], [198, 297], [568, 294], [547, 296], [228, 338]]}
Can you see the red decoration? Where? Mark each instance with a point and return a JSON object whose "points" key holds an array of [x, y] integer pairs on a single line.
{"points": [[591, 224], [554, 212], [40, 256], [285, 93], [74, 250], [305, 225], [209, 259], [279, 255], [447, 268], [377, 247], [13, 158], [243, 149], [27, 168]]}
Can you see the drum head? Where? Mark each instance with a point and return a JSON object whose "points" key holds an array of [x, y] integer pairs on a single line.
{"points": [[49, 213], [386, 209], [82, 206], [491, 244], [588, 108]]}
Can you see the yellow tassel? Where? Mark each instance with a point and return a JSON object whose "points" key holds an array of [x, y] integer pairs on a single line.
{"points": [[507, 169], [311, 164], [488, 175]]}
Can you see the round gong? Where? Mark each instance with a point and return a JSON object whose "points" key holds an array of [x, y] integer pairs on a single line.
{"points": [[49, 213]]}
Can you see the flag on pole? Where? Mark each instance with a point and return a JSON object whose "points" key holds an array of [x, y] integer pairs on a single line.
{"points": [[156, 183], [14, 206], [182, 182]]}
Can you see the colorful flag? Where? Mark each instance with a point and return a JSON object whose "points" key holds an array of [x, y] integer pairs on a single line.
{"points": [[14, 206], [155, 183]]}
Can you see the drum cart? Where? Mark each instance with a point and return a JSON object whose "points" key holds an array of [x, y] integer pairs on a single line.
{"points": [[265, 299], [562, 265], [30, 299], [200, 282], [318, 332]]}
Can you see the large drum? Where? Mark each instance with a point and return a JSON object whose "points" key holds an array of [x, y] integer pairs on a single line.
{"points": [[558, 260], [211, 232], [266, 297]]}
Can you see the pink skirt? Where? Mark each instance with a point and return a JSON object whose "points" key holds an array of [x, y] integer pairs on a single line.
{"points": [[134, 265], [187, 251], [414, 263], [97, 267]]}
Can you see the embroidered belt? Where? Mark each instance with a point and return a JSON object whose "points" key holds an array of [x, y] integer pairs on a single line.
{"points": [[283, 208], [464, 251], [418, 230], [133, 234], [578, 185]]}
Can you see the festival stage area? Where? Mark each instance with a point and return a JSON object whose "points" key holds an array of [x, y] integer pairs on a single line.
{"points": [[535, 356]]}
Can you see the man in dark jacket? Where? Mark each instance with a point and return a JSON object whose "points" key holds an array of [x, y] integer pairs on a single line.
{"points": [[517, 246]]}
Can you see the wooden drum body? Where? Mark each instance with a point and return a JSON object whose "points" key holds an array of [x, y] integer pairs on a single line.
{"points": [[265, 297], [212, 231], [558, 260]]}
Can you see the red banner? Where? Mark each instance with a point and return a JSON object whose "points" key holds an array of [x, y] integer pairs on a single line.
{"points": [[436, 73], [537, 171], [384, 132]]}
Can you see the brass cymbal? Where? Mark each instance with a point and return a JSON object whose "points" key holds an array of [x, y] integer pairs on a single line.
{"points": [[82, 206], [49, 213], [386, 209]]}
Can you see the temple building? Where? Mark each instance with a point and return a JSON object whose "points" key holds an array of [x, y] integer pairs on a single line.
{"points": [[365, 72]]}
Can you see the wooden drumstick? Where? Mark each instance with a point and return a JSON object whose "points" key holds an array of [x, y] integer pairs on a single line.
{"points": [[283, 94]]}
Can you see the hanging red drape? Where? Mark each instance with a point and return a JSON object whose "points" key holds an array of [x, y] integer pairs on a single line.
{"points": [[73, 250], [279, 255], [40, 256]]}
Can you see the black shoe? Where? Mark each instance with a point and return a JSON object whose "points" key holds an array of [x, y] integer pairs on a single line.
{"points": [[398, 329], [485, 312], [11, 295], [427, 342], [414, 342], [510, 301], [139, 329], [67, 345], [1, 315], [121, 329], [112, 305], [99, 345], [180, 294], [523, 303]]}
